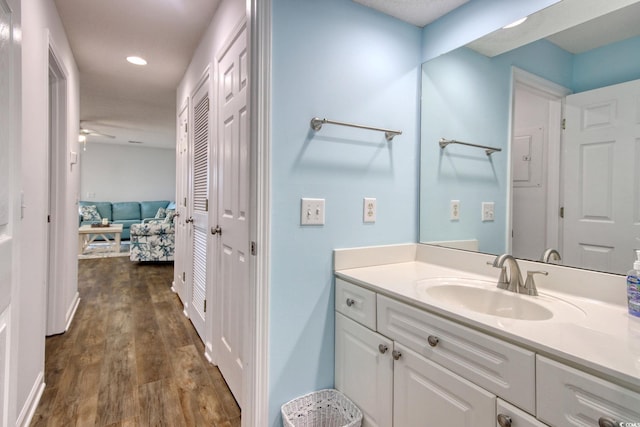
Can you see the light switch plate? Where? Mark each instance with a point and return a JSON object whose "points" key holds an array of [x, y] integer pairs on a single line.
{"points": [[312, 211], [488, 211]]}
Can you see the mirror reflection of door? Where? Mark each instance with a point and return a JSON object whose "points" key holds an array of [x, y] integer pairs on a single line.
{"points": [[602, 147], [535, 165]]}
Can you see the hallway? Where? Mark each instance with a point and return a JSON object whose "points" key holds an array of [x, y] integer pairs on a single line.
{"points": [[130, 357]]}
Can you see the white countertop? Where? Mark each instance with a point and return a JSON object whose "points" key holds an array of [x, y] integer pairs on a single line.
{"points": [[605, 340]]}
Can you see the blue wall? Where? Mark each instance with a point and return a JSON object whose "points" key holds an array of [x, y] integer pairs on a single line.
{"points": [[591, 70], [339, 60]]}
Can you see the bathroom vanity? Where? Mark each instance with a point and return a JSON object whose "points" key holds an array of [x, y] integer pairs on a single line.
{"points": [[424, 338]]}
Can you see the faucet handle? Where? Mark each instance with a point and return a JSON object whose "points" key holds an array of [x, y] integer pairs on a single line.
{"points": [[530, 284], [502, 279]]}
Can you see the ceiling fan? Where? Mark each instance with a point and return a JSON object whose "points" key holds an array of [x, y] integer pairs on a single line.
{"points": [[90, 132]]}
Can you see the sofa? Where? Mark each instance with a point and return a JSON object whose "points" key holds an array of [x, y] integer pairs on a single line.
{"points": [[125, 213], [153, 240]]}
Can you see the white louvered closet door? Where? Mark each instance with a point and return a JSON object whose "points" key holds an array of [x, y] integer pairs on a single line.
{"points": [[200, 206]]}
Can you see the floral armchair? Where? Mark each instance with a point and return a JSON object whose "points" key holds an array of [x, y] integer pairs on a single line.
{"points": [[153, 240]]}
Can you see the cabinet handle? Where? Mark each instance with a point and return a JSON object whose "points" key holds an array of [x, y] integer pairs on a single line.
{"points": [[433, 340], [350, 302], [504, 420], [396, 354], [383, 348], [607, 422]]}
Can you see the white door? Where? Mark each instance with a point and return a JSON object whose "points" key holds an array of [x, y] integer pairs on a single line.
{"points": [[364, 370], [601, 176], [182, 191], [199, 206], [535, 165], [10, 120], [426, 394], [231, 320]]}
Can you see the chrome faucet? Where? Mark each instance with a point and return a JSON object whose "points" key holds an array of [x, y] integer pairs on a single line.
{"points": [[514, 281], [550, 255]]}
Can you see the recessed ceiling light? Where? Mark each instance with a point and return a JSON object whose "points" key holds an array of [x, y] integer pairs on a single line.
{"points": [[136, 60], [515, 24]]}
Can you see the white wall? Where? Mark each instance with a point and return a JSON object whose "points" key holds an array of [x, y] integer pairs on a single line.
{"points": [[122, 173], [41, 23]]}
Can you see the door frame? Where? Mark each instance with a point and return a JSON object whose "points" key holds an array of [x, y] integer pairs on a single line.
{"points": [[56, 184], [256, 378], [556, 94]]}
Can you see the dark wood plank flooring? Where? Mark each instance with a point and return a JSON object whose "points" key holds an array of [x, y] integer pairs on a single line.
{"points": [[131, 357]]}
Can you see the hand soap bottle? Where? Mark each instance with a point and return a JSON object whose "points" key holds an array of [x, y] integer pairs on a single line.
{"points": [[633, 287]]}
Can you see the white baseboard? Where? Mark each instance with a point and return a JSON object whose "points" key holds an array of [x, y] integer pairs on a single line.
{"points": [[30, 406], [72, 311]]}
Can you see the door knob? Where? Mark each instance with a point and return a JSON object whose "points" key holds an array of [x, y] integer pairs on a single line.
{"points": [[382, 348], [433, 340], [396, 354], [216, 230], [350, 302], [188, 220]]}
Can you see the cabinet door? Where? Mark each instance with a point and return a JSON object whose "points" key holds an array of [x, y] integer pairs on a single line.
{"points": [[426, 394], [364, 370], [569, 397]]}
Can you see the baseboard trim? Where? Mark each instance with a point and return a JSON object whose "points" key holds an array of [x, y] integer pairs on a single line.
{"points": [[30, 406], [72, 311]]}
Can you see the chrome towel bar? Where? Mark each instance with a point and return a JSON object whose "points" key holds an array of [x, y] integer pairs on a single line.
{"points": [[316, 124], [489, 150]]}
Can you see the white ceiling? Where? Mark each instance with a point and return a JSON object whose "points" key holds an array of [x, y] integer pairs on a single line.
{"points": [[416, 12], [133, 103], [574, 25]]}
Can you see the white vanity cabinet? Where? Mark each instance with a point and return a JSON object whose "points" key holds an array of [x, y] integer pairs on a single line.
{"points": [[392, 384], [570, 397], [407, 367]]}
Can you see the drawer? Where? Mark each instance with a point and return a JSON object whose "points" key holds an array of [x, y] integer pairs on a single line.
{"points": [[500, 367], [518, 417], [356, 303], [569, 397]]}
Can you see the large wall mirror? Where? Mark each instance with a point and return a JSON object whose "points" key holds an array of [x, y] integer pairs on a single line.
{"points": [[564, 110]]}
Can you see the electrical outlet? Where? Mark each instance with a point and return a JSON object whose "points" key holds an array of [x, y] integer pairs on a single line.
{"points": [[312, 212], [488, 211], [454, 210], [369, 209]]}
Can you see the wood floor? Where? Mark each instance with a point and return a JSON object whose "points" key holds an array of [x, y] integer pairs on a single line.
{"points": [[130, 357]]}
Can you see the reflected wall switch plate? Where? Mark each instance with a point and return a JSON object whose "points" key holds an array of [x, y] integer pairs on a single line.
{"points": [[488, 211], [312, 211], [369, 209], [454, 210]]}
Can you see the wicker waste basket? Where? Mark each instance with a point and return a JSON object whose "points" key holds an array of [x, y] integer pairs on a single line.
{"points": [[322, 408]]}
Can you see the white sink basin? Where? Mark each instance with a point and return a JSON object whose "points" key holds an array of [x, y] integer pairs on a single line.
{"points": [[484, 297]]}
